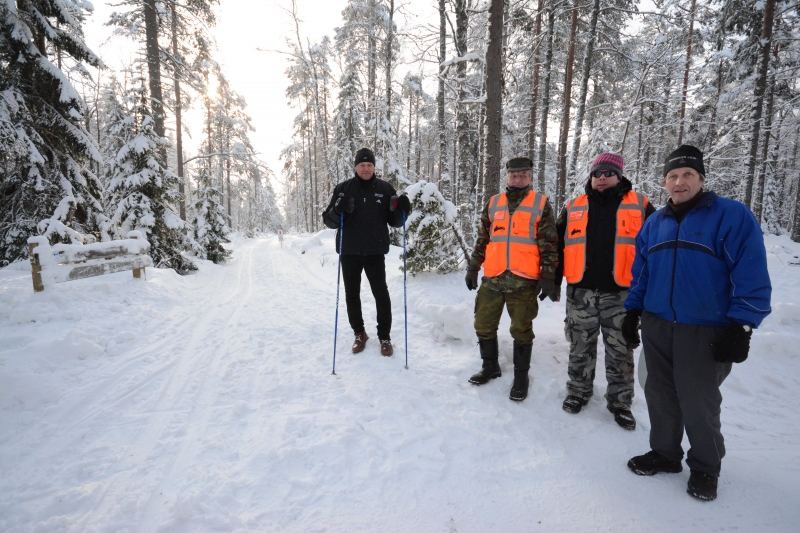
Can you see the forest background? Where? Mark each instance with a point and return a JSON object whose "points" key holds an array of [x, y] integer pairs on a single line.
{"points": [[153, 136]]}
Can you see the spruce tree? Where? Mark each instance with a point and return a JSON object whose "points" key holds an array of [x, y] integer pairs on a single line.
{"points": [[209, 221], [46, 185], [432, 241], [143, 193]]}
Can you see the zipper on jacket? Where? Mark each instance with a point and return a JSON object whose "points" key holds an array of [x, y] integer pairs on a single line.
{"points": [[674, 267]]}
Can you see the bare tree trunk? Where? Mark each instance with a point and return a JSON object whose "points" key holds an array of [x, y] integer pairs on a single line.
{"points": [[795, 222], [548, 63], [758, 200], [444, 175], [178, 119], [686, 72], [410, 108], [585, 75], [758, 98], [564, 133], [465, 150], [154, 72], [494, 99], [389, 45], [639, 141], [712, 128], [535, 90]]}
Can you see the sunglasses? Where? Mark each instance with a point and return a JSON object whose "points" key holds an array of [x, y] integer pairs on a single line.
{"points": [[603, 174]]}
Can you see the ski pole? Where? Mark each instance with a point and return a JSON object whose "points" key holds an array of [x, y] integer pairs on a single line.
{"points": [[338, 276], [405, 304]]}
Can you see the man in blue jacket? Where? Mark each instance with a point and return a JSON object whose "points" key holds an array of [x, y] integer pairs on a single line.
{"points": [[700, 284]]}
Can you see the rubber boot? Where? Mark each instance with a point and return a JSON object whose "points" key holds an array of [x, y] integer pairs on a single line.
{"points": [[522, 363], [490, 368]]}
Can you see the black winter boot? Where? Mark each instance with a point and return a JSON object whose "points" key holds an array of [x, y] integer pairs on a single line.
{"points": [[490, 368], [652, 463], [522, 363], [702, 486], [623, 417], [573, 404]]}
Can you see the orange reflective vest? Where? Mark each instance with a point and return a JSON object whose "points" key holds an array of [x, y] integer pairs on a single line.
{"points": [[630, 218], [513, 245]]}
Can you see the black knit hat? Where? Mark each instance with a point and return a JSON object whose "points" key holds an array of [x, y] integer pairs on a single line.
{"points": [[685, 156], [519, 163], [364, 155]]}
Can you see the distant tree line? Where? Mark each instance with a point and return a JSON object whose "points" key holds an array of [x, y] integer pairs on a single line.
{"points": [[558, 81]]}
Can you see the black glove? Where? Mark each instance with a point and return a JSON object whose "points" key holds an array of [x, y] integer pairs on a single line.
{"points": [[734, 346], [630, 328], [346, 204], [400, 202], [472, 279], [547, 287]]}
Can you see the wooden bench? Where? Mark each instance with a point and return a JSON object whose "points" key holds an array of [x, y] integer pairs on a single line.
{"points": [[67, 262]]}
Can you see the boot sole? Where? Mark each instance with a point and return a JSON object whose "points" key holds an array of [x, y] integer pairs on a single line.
{"points": [[642, 472], [516, 399], [487, 381], [701, 497]]}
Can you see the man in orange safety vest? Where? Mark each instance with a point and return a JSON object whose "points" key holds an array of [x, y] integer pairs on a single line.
{"points": [[597, 235], [517, 246]]}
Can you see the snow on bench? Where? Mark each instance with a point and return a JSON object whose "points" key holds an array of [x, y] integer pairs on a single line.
{"points": [[67, 262]]}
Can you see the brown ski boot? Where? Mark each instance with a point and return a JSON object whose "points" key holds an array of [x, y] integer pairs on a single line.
{"points": [[386, 347], [359, 342]]}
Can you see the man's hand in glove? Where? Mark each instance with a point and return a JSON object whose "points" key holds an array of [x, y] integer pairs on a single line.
{"points": [[547, 288], [734, 346], [630, 328], [344, 204], [400, 202], [472, 279]]}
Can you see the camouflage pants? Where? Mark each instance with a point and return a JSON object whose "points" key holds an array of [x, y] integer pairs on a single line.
{"points": [[590, 312], [520, 301]]}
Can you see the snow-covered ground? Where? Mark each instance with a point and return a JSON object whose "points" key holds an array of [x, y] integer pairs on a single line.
{"points": [[207, 403]]}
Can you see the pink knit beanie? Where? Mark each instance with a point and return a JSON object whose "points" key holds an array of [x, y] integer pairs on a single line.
{"points": [[608, 161]]}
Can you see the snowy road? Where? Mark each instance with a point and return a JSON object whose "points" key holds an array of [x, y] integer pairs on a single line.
{"points": [[206, 403]]}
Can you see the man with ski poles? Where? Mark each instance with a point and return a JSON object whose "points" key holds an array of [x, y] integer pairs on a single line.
{"points": [[369, 205], [517, 247], [700, 285], [596, 238]]}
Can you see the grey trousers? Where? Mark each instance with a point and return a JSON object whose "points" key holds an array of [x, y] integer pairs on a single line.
{"points": [[682, 391], [589, 313]]}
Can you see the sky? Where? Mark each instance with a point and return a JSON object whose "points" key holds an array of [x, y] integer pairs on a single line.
{"points": [[251, 37]]}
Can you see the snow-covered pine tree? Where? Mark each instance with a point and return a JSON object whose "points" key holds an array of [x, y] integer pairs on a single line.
{"points": [[144, 193], [209, 220], [433, 243], [46, 184]]}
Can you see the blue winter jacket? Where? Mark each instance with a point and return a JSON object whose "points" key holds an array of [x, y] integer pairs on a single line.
{"points": [[708, 269]]}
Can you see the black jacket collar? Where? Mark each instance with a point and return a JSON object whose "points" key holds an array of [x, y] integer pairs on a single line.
{"points": [[620, 189]]}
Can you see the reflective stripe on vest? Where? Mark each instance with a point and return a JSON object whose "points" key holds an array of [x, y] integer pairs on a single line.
{"points": [[513, 239], [630, 218]]}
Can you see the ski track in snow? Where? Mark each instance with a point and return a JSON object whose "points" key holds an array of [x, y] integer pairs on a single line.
{"points": [[207, 403]]}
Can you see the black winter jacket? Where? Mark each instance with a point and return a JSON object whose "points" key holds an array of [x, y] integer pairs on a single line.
{"points": [[600, 232], [365, 229]]}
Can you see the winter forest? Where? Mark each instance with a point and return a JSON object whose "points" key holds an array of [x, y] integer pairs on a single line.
{"points": [[90, 152]]}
